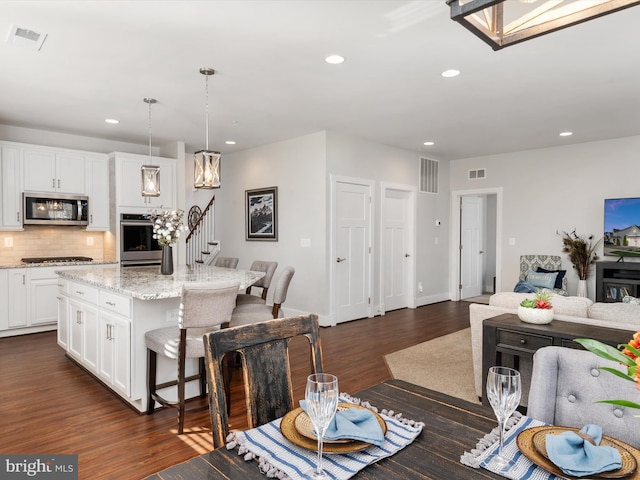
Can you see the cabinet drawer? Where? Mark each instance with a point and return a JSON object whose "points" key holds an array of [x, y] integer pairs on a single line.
{"points": [[527, 342], [115, 303], [83, 292]]}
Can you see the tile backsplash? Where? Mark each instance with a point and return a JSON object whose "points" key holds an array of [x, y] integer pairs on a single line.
{"points": [[55, 242]]}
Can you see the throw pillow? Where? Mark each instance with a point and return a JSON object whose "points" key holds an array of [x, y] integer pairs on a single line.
{"points": [[630, 299], [542, 280], [524, 287], [561, 274]]}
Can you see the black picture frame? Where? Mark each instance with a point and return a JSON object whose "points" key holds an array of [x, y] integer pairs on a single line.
{"points": [[262, 214]]}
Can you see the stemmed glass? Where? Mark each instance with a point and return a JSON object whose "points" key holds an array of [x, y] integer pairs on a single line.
{"points": [[321, 397], [503, 392]]}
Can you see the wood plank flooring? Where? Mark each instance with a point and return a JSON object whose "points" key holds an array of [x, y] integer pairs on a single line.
{"points": [[50, 405]]}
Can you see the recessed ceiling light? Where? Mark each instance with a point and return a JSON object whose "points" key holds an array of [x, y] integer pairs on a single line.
{"points": [[428, 144], [230, 142], [334, 59], [112, 121], [450, 73], [566, 134]]}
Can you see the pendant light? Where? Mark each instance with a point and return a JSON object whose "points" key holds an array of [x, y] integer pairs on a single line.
{"points": [[150, 173], [206, 163]]}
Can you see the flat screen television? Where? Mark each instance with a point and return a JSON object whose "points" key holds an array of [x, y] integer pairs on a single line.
{"points": [[622, 227]]}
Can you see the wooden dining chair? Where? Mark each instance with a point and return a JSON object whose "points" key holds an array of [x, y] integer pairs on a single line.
{"points": [[264, 351], [202, 309], [269, 268]]}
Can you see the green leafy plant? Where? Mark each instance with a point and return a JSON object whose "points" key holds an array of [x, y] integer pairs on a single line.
{"points": [[541, 300], [581, 252], [627, 354]]}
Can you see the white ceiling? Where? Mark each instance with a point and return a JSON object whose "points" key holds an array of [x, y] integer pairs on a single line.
{"points": [[101, 58]]}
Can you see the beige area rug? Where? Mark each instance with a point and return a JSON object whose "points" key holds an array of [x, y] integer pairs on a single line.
{"points": [[443, 364], [480, 299]]}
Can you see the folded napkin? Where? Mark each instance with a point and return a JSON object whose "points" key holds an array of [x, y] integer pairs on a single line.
{"points": [[355, 424], [576, 456]]}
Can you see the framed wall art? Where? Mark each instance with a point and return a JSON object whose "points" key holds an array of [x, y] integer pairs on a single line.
{"points": [[262, 214]]}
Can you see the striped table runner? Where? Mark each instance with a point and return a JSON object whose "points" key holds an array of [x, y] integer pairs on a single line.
{"points": [[279, 458]]}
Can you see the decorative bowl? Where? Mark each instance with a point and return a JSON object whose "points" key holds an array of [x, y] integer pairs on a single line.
{"points": [[535, 315]]}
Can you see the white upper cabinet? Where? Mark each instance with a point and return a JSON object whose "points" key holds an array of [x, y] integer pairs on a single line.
{"points": [[128, 183], [52, 171], [11, 173], [97, 181]]}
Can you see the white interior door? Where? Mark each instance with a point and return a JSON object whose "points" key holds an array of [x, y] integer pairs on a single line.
{"points": [[352, 251], [397, 249], [471, 251]]}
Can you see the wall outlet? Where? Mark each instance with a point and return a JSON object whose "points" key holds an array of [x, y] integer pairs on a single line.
{"points": [[512, 241], [420, 287], [305, 242], [173, 316], [8, 241], [89, 241]]}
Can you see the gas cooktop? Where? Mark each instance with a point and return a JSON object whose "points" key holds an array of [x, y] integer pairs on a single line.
{"points": [[56, 259]]}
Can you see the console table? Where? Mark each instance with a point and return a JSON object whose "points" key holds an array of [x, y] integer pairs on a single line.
{"points": [[507, 335]]}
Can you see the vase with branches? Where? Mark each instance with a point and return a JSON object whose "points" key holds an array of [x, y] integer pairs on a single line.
{"points": [[581, 252]]}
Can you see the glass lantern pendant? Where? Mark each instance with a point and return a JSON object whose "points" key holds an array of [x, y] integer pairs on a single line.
{"points": [[206, 169], [150, 173], [206, 163]]}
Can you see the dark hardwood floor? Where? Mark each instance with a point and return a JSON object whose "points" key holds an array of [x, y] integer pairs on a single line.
{"points": [[50, 405]]}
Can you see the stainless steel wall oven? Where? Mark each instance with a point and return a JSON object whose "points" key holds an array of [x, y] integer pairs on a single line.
{"points": [[137, 245]]}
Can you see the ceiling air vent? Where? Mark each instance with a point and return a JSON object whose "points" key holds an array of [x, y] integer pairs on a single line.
{"points": [[23, 37], [478, 174], [428, 175]]}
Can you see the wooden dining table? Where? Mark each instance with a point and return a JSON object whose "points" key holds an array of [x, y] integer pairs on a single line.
{"points": [[452, 427]]}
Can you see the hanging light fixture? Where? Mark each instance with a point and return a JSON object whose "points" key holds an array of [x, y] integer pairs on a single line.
{"points": [[501, 23], [206, 163], [150, 173]]}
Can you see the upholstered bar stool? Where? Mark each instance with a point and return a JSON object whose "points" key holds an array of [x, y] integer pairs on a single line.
{"points": [[203, 309], [226, 262], [269, 269], [254, 312]]}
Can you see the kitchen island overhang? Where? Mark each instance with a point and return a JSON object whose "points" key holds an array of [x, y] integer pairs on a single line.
{"points": [[104, 313]]}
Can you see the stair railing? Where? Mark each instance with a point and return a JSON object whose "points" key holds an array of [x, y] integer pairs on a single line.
{"points": [[200, 243]]}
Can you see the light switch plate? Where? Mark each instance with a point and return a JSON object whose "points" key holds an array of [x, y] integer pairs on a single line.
{"points": [[8, 241], [305, 242]]}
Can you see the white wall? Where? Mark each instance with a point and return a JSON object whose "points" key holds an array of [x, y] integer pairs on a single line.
{"points": [[554, 189], [298, 168]]}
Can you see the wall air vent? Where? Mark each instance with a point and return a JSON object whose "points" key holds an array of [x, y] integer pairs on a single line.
{"points": [[478, 174], [428, 175], [23, 37]]}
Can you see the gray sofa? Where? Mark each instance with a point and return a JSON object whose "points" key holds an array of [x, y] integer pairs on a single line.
{"points": [[624, 316]]}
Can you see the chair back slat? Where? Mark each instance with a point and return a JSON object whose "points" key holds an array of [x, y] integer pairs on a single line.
{"points": [[264, 350]]}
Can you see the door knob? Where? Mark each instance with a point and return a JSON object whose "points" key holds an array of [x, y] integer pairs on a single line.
{"points": [[340, 259], [406, 255]]}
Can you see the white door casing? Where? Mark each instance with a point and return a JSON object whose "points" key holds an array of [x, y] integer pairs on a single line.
{"points": [[350, 259], [397, 279], [471, 250]]}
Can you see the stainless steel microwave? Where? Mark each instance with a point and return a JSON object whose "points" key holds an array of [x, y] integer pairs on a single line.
{"points": [[55, 209]]}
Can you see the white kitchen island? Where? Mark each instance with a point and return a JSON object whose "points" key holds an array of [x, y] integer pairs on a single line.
{"points": [[103, 314]]}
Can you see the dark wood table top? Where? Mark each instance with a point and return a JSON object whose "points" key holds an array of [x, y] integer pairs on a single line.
{"points": [[452, 427]]}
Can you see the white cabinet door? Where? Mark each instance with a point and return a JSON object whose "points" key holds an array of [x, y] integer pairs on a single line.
{"points": [[4, 300], [90, 349], [63, 321], [115, 352], [70, 173], [97, 181], [18, 295], [51, 171], [11, 172], [75, 329], [39, 170], [129, 182], [43, 293]]}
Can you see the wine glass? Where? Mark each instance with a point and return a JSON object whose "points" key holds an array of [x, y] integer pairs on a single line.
{"points": [[321, 397], [503, 392]]}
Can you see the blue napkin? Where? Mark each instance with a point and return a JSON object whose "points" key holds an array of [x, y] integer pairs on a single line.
{"points": [[355, 424], [578, 457]]}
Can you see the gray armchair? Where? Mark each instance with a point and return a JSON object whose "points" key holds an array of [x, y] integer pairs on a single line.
{"points": [[566, 383]]}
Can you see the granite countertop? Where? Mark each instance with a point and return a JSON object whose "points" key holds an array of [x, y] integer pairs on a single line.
{"points": [[56, 264], [147, 283]]}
